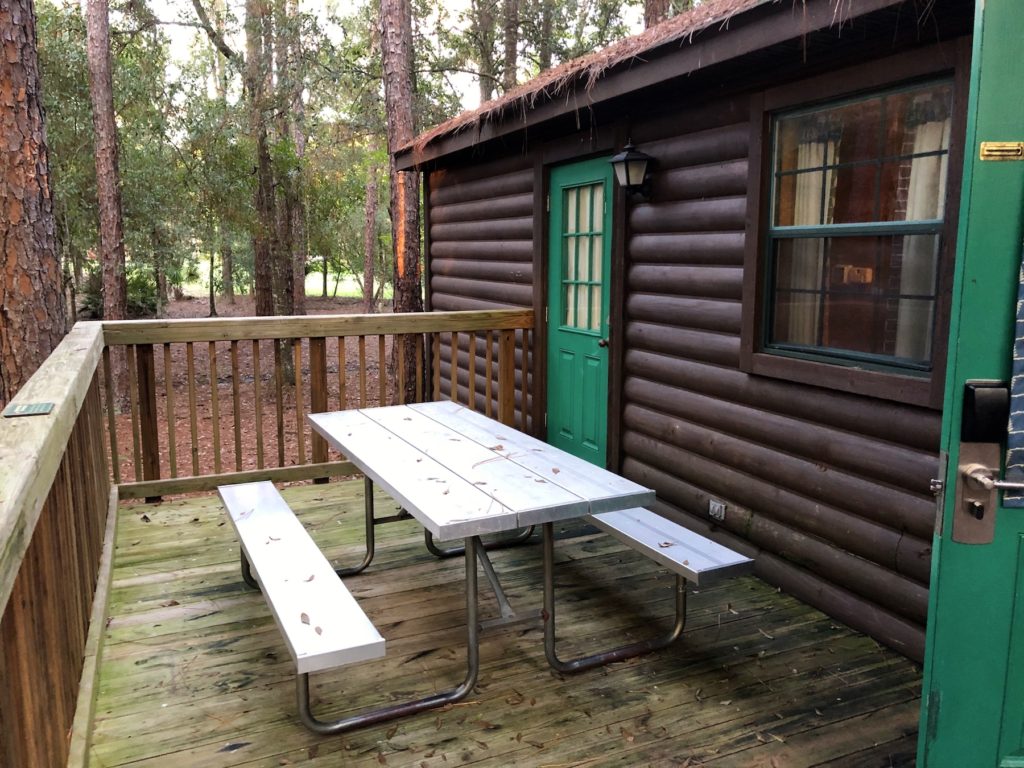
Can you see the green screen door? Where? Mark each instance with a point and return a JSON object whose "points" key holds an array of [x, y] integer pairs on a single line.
{"points": [[973, 703], [579, 254]]}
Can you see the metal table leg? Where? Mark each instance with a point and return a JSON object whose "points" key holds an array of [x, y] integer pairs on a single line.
{"points": [[604, 657], [382, 714], [370, 536]]}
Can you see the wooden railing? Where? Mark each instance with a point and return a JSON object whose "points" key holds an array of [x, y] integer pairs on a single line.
{"points": [[55, 496], [234, 415], [215, 401]]}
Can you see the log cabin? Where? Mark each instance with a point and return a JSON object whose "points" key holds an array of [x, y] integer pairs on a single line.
{"points": [[759, 330]]}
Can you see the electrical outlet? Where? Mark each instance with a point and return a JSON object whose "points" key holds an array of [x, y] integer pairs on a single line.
{"points": [[716, 509]]}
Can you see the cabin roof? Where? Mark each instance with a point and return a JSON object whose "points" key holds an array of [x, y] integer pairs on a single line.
{"points": [[573, 84]]}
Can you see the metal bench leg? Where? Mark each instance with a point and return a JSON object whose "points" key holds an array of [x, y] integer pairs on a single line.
{"points": [[370, 536], [382, 714], [247, 576], [606, 657], [511, 541]]}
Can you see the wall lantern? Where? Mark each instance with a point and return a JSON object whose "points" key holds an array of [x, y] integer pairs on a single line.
{"points": [[631, 169]]}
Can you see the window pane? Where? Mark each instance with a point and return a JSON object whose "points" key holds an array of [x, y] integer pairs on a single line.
{"points": [[586, 201], [882, 158], [868, 295], [799, 200]]}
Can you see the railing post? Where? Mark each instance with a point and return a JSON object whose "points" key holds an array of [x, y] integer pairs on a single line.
{"points": [[147, 414], [318, 395], [507, 377]]}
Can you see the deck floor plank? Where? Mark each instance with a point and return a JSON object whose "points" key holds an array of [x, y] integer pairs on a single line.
{"points": [[194, 671]]}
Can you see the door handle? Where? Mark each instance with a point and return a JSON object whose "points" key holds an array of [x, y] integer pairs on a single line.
{"points": [[986, 477], [602, 343]]}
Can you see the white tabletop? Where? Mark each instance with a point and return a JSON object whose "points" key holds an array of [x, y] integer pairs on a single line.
{"points": [[462, 474]]}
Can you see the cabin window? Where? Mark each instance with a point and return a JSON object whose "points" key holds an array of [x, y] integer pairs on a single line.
{"points": [[855, 229]]}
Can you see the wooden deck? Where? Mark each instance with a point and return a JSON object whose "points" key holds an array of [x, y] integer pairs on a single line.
{"points": [[194, 673]]}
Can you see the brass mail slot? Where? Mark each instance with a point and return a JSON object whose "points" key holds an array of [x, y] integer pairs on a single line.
{"points": [[1002, 150]]}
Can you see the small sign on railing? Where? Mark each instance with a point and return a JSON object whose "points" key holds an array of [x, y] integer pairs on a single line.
{"points": [[27, 409]]}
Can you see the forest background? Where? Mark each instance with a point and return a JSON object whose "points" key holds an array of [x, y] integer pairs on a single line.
{"points": [[241, 145], [186, 150]]}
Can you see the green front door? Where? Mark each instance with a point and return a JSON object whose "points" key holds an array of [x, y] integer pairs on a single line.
{"points": [[973, 703], [579, 253]]}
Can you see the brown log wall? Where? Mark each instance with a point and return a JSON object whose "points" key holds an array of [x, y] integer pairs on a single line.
{"points": [[829, 491], [44, 625], [480, 239]]}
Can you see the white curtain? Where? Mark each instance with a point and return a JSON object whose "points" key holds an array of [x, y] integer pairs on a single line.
{"points": [[808, 253], [925, 197]]}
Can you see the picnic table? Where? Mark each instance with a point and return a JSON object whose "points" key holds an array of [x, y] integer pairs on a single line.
{"points": [[462, 476]]}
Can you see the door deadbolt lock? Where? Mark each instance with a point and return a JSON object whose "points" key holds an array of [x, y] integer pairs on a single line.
{"points": [[974, 518], [986, 409]]}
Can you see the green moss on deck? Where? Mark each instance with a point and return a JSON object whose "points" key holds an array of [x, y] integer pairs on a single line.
{"points": [[194, 671]]}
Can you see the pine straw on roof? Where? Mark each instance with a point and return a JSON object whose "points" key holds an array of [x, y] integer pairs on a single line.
{"points": [[589, 69]]}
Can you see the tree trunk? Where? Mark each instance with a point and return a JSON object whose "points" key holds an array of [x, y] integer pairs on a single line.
{"points": [[255, 83], [227, 272], [34, 316], [509, 74], [370, 239], [297, 108], [655, 11], [546, 22], [482, 27], [161, 290], [275, 39], [396, 49], [108, 179], [213, 292], [325, 278]]}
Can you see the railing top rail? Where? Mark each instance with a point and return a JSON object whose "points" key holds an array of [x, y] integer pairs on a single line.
{"points": [[311, 326], [31, 447]]}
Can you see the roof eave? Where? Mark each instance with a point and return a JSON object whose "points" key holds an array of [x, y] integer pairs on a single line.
{"points": [[748, 31]]}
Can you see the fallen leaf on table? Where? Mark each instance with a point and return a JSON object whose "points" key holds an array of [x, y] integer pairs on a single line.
{"points": [[304, 618]]}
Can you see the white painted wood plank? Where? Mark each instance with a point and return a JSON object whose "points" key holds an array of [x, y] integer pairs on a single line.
{"points": [[604, 490], [679, 549], [533, 498], [322, 623], [444, 503]]}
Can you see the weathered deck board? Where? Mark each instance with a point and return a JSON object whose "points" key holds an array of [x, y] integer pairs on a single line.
{"points": [[195, 673]]}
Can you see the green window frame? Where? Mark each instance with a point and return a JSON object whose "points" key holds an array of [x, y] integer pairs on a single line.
{"points": [[855, 224]]}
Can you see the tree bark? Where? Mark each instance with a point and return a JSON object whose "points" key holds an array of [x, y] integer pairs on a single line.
{"points": [[370, 239], [213, 281], [546, 22], [396, 50], [108, 179], [227, 267], [655, 11], [276, 39], [483, 32], [509, 73], [297, 109], [32, 311], [255, 84]]}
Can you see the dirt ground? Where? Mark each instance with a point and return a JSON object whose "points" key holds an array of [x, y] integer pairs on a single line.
{"points": [[242, 437]]}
